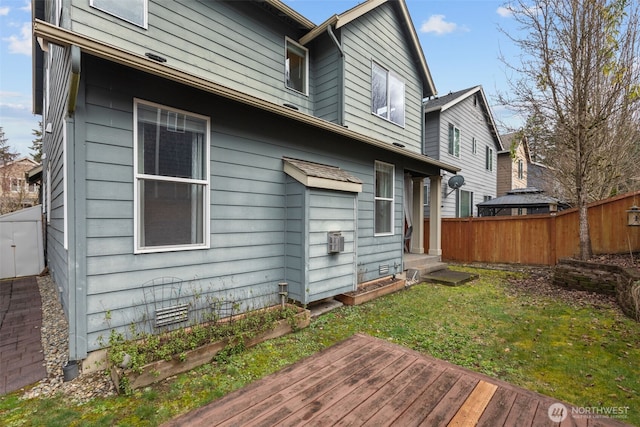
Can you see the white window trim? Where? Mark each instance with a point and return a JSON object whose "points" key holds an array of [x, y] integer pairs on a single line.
{"points": [[387, 117], [451, 134], [459, 203], [488, 161], [392, 199], [145, 18], [138, 176], [287, 40]]}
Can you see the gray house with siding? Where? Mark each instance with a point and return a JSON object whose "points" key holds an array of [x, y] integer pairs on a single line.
{"points": [[460, 130], [208, 151]]}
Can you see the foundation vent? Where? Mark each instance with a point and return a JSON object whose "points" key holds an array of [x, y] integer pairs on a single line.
{"points": [[170, 315]]}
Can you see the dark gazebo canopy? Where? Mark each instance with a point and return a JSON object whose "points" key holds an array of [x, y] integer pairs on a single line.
{"points": [[532, 199]]}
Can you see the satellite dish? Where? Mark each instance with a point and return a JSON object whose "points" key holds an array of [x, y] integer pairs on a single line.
{"points": [[456, 181]]}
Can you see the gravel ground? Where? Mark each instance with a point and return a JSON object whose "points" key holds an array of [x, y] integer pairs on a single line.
{"points": [[89, 386], [56, 353]]}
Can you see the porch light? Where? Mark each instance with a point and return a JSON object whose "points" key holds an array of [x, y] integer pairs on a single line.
{"points": [[633, 216]]}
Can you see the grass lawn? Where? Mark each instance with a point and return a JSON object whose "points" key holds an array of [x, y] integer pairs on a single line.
{"points": [[584, 354]]}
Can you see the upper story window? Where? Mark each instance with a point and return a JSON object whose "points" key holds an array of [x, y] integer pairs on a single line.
{"points": [[520, 169], [296, 67], [488, 162], [384, 195], [387, 94], [17, 185], [134, 11], [454, 141], [171, 167]]}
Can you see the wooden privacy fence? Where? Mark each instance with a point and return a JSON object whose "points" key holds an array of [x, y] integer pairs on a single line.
{"points": [[539, 239]]}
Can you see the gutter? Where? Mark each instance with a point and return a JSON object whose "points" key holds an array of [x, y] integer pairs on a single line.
{"points": [[66, 38]]}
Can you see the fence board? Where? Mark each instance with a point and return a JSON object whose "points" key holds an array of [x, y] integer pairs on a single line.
{"points": [[538, 239]]}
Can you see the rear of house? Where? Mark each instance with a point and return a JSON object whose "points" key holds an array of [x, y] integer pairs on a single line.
{"points": [[203, 167]]}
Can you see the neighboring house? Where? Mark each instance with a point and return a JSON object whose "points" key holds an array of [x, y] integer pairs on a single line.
{"points": [[517, 170], [15, 190], [211, 150], [513, 167], [513, 163], [460, 130]]}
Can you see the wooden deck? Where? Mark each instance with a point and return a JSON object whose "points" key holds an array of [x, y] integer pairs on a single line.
{"points": [[368, 381]]}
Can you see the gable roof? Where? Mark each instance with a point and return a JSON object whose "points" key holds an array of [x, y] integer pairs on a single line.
{"points": [[356, 12], [443, 103], [508, 139], [19, 160]]}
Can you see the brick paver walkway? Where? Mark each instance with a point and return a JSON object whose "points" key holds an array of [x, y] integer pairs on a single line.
{"points": [[21, 354]]}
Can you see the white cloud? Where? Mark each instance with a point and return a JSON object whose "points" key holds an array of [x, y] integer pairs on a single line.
{"points": [[21, 43], [4, 11], [509, 10], [437, 24], [505, 12]]}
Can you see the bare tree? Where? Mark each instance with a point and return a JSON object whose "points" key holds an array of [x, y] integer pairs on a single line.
{"points": [[578, 82]]}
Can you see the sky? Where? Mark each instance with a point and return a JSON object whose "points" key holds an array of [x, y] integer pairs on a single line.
{"points": [[460, 39]]}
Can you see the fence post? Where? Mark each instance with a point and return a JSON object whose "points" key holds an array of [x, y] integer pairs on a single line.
{"points": [[553, 250]]}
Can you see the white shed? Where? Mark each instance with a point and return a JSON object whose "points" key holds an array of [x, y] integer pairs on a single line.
{"points": [[21, 243]]}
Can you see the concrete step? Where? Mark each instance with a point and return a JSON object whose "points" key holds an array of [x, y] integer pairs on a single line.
{"points": [[413, 261], [448, 277]]}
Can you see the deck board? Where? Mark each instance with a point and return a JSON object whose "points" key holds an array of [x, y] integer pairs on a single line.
{"points": [[368, 381]]}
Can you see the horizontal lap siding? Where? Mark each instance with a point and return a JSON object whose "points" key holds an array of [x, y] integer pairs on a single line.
{"points": [[57, 255], [331, 274], [374, 251], [296, 243], [248, 200], [247, 212], [232, 43], [326, 75], [378, 36], [472, 123]]}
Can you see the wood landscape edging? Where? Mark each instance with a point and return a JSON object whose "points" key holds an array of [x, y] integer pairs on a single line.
{"points": [[362, 295], [159, 370]]}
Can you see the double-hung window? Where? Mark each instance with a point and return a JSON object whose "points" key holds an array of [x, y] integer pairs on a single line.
{"points": [[171, 167], [454, 140], [296, 67], [384, 194], [134, 11], [387, 94]]}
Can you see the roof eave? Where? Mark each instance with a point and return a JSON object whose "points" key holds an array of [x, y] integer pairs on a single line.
{"points": [[289, 12], [64, 37]]}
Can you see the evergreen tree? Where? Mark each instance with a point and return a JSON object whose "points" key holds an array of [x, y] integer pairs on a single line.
{"points": [[6, 155], [36, 145]]}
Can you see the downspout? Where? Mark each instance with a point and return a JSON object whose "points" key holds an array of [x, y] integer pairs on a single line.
{"points": [[333, 37], [74, 81], [76, 186]]}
